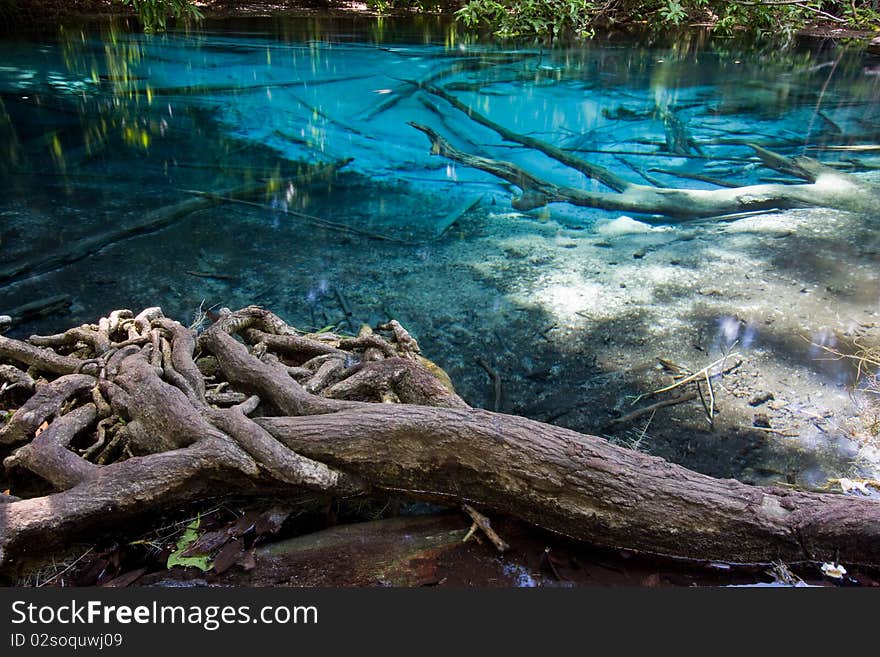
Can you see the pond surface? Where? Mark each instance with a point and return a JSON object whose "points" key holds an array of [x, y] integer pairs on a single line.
{"points": [[580, 313]]}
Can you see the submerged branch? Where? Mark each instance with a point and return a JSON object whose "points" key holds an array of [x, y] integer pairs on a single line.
{"points": [[828, 188]]}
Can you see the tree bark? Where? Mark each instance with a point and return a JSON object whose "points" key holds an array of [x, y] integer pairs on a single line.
{"points": [[582, 486], [173, 448]]}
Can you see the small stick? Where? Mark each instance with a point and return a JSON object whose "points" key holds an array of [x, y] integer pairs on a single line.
{"points": [[483, 523], [57, 575], [496, 381], [40, 308], [781, 432], [650, 408], [645, 429], [544, 331], [694, 376], [711, 398], [549, 561], [848, 148], [651, 180], [207, 274], [457, 213]]}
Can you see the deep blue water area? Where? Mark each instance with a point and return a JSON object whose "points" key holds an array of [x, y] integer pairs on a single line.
{"points": [[102, 131]]}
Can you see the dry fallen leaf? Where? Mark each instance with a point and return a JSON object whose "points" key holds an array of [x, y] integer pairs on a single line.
{"points": [[833, 570], [850, 485]]}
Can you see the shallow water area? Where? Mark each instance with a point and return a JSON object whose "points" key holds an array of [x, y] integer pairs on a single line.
{"points": [[581, 313]]}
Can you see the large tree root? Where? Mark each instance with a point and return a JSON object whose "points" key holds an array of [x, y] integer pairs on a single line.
{"points": [[824, 186], [119, 424]]}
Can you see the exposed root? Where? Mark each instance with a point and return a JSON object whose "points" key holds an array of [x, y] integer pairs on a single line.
{"points": [[121, 421]]}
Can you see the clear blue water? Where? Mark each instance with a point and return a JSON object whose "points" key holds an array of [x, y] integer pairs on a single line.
{"points": [[572, 307]]}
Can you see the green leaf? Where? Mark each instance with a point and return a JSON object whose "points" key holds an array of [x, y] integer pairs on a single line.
{"points": [[190, 535]]}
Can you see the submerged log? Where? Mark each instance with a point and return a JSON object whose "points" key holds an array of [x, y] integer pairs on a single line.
{"points": [[427, 444], [823, 186]]}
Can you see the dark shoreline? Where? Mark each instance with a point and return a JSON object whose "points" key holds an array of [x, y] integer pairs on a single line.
{"points": [[39, 16]]}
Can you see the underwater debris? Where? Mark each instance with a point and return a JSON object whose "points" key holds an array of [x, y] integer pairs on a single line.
{"points": [[833, 570]]}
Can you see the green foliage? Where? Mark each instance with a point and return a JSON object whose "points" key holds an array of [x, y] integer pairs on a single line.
{"points": [[385, 6], [553, 17], [154, 14], [673, 12], [535, 17], [190, 535], [865, 17], [9, 9]]}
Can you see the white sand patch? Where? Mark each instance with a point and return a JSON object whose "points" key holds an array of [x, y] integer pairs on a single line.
{"points": [[565, 296], [624, 225]]}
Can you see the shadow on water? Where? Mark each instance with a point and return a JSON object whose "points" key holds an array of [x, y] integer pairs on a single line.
{"points": [[572, 309]]}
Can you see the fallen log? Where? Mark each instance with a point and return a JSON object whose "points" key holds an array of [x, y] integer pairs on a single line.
{"points": [[427, 444], [823, 185]]}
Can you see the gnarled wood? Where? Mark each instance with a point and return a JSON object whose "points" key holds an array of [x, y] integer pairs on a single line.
{"points": [[170, 447]]}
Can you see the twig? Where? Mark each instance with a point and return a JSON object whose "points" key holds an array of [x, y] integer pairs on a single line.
{"points": [[651, 408], [346, 309], [849, 148], [203, 89], [822, 91], [496, 381], [644, 431], [549, 561], [703, 401], [208, 274], [694, 376], [40, 308], [484, 524], [711, 398], [694, 176], [651, 180], [153, 221], [57, 575], [781, 432], [318, 221]]}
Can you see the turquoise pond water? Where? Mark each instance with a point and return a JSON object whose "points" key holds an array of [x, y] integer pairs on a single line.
{"points": [[102, 130]]}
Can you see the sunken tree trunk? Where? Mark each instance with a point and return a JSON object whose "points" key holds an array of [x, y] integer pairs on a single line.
{"points": [[822, 186], [138, 413]]}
